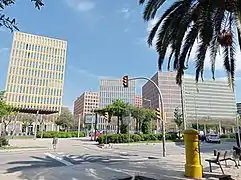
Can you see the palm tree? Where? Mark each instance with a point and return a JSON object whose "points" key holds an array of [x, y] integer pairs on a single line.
{"points": [[118, 108], [138, 114], [211, 23]]}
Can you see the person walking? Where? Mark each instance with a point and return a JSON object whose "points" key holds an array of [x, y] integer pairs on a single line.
{"points": [[55, 141]]}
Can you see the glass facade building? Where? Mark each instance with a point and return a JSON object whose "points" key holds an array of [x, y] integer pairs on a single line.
{"points": [[111, 90], [36, 69]]}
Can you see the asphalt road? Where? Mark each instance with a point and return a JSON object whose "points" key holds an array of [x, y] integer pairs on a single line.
{"points": [[83, 161]]}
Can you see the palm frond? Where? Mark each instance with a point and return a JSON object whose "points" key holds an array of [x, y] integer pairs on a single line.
{"points": [[157, 25], [226, 62], [232, 64], [151, 9], [141, 2]]}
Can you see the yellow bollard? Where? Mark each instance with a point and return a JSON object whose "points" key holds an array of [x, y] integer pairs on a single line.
{"points": [[193, 166]]}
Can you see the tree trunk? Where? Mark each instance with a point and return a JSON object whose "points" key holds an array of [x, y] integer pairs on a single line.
{"points": [[118, 124], [137, 123]]}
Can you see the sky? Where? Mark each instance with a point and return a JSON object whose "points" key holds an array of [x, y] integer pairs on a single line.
{"points": [[106, 39]]}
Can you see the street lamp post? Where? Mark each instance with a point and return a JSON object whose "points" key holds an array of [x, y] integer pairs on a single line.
{"points": [[161, 106]]}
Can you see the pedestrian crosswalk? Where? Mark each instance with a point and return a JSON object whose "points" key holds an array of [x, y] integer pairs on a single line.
{"points": [[73, 159]]}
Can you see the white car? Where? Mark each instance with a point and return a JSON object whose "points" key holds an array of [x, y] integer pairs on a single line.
{"points": [[213, 138]]}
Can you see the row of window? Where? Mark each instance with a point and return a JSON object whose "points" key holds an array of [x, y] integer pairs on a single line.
{"points": [[38, 65], [34, 90], [23, 99], [34, 106], [35, 73], [38, 56]]}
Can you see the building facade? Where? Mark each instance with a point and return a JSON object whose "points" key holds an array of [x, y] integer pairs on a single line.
{"points": [[35, 78], [209, 101], [84, 105], [239, 108], [36, 69], [138, 100], [203, 102], [171, 93], [113, 89]]}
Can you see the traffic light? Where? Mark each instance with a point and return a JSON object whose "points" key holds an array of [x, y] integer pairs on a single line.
{"points": [[125, 81], [106, 116], [158, 114]]}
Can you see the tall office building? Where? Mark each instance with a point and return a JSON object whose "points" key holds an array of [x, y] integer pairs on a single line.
{"points": [[212, 101], [112, 89], [239, 108], [209, 100], [36, 69], [170, 92], [84, 105]]}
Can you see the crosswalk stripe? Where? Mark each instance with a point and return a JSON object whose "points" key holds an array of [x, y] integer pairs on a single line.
{"points": [[41, 178], [58, 159]]}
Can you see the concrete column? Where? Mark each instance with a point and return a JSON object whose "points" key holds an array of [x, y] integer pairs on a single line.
{"points": [[220, 127]]}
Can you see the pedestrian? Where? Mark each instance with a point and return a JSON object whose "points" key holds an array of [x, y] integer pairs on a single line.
{"points": [[55, 141]]}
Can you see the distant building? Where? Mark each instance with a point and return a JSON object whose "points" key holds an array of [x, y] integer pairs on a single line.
{"points": [[213, 101], [138, 100], [239, 108], [112, 89], [85, 104]]}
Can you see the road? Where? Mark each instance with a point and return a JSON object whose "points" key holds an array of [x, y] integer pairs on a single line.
{"points": [[79, 160]]}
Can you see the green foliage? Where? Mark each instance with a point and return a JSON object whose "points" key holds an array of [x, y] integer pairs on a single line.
{"points": [[60, 134], [5, 109], [124, 138], [214, 24], [178, 117], [3, 141], [11, 23], [65, 119], [228, 136]]}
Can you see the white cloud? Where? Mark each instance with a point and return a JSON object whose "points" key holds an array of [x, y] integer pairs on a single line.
{"points": [[126, 12], [81, 5]]}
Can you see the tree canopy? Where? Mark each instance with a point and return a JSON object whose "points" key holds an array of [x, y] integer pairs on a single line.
{"points": [[214, 25], [65, 119]]}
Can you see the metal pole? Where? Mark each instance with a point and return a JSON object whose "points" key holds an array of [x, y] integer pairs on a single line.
{"points": [[183, 111], [79, 126], [35, 125], [161, 104], [196, 111]]}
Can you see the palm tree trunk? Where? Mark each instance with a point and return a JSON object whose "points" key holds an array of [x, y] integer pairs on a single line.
{"points": [[137, 122], [118, 124]]}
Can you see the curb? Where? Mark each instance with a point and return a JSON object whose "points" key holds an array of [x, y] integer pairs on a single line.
{"points": [[24, 149]]}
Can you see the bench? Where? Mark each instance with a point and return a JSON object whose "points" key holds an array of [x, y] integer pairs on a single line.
{"points": [[220, 157]]}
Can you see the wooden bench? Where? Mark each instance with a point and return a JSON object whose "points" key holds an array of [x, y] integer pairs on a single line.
{"points": [[220, 157]]}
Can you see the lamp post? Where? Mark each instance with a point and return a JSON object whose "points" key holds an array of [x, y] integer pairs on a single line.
{"points": [[161, 106], [195, 106], [144, 99]]}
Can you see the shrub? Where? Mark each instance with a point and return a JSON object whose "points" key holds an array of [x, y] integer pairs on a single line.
{"points": [[3, 141], [224, 136], [60, 134], [232, 136], [125, 138]]}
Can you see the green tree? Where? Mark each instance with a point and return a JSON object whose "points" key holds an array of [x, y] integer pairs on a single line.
{"points": [[65, 119], [178, 118], [11, 23], [213, 24], [149, 115], [119, 109], [138, 114]]}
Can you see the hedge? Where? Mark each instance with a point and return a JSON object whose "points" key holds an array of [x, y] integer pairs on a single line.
{"points": [[3, 141], [124, 138], [60, 134], [229, 136]]}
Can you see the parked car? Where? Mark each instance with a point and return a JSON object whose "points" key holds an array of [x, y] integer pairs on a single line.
{"points": [[213, 138]]}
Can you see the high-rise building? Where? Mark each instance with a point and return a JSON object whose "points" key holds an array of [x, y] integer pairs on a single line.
{"points": [[210, 100], [239, 108], [138, 100], [170, 92], [36, 69], [112, 89], [84, 105]]}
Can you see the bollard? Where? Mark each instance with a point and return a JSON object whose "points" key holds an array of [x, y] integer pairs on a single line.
{"points": [[193, 167]]}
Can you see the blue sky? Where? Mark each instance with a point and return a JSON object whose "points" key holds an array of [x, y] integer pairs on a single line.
{"points": [[106, 38]]}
